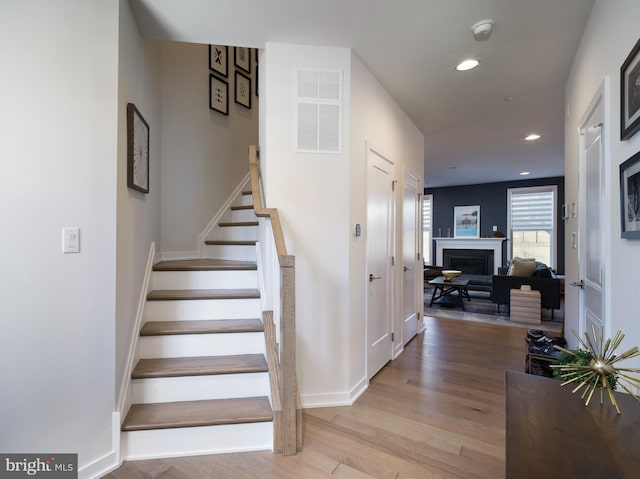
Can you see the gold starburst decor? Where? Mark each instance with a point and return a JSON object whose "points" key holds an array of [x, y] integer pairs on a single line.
{"points": [[601, 370]]}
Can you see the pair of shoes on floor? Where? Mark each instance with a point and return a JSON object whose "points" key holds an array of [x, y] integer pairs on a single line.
{"points": [[545, 349], [538, 337]]}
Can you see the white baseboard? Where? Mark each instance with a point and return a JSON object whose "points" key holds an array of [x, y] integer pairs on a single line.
{"points": [[347, 398], [108, 462]]}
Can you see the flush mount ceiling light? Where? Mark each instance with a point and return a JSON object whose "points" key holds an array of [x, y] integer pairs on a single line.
{"points": [[525, 173], [532, 136], [482, 29], [467, 65]]}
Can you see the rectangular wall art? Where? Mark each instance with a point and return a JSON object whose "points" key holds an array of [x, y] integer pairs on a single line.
{"points": [[466, 221]]}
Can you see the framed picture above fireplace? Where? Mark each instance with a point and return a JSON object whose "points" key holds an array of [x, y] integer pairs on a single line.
{"points": [[466, 221]]}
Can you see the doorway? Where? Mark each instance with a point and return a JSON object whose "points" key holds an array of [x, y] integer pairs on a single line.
{"points": [[411, 267]]}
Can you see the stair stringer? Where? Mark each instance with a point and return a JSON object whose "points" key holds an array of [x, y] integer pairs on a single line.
{"points": [[124, 399], [224, 209]]}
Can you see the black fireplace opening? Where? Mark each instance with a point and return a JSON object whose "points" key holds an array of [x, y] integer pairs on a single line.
{"points": [[469, 261]]}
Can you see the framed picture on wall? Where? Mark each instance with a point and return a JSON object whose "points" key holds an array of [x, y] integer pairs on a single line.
{"points": [[219, 59], [242, 88], [137, 150], [630, 94], [242, 58], [466, 221], [630, 197], [218, 95]]}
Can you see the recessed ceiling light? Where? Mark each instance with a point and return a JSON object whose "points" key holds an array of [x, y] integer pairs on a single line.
{"points": [[467, 65], [525, 173], [532, 136]]}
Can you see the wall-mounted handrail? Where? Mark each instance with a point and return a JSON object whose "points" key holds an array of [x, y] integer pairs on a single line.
{"points": [[287, 419]]}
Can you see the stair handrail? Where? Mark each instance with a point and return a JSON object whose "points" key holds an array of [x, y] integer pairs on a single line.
{"points": [[287, 420]]}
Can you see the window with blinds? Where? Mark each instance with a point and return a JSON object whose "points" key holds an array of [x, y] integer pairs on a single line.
{"points": [[532, 223], [426, 229]]}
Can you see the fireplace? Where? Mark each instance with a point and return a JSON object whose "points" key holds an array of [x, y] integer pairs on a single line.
{"points": [[469, 261], [466, 244]]}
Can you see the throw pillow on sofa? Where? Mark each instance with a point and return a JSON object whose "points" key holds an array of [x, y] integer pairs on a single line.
{"points": [[522, 267]]}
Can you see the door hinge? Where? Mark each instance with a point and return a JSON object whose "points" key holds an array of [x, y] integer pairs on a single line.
{"points": [[393, 337], [418, 316], [393, 185], [418, 256], [393, 261]]}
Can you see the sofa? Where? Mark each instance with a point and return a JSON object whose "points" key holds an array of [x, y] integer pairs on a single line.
{"points": [[542, 279]]}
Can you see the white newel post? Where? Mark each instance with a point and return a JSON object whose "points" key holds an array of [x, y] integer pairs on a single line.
{"points": [[494, 244]]}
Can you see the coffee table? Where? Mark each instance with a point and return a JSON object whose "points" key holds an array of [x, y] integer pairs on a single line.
{"points": [[443, 290]]}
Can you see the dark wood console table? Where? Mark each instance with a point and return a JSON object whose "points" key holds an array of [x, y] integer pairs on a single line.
{"points": [[551, 434]]}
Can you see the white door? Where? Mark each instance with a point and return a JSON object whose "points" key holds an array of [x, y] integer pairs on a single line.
{"points": [[410, 257], [590, 255], [379, 251]]}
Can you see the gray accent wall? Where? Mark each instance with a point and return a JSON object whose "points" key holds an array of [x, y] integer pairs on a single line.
{"points": [[492, 198]]}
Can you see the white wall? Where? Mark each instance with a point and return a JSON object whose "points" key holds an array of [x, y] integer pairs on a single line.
{"points": [[376, 118], [138, 214], [610, 35], [58, 91], [204, 153], [311, 192], [320, 198]]}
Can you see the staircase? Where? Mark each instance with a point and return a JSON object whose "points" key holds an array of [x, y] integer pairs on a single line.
{"points": [[201, 384]]}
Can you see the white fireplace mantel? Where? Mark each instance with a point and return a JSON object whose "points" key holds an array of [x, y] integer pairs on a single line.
{"points": [[494, 244]]}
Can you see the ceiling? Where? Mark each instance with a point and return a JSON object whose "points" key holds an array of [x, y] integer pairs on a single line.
{"points": [[474, 122]]}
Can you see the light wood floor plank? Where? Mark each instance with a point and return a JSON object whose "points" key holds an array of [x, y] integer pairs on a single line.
{"points": [[436, 412]]}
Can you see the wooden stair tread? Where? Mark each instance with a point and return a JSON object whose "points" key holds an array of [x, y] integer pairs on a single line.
{"points": [[247, 192], [241, 207], [197, 413], [231, 224], [199, 366], [194, 294], [231, 242], [164, 328], [204, 264]]}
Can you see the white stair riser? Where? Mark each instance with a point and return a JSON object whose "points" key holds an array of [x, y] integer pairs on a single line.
{"points": [[241, 215], [205, 279], [190, 345], [235, 233], [202, 309], [231, 252], [245, 200], [191, 441], [196, 388]]}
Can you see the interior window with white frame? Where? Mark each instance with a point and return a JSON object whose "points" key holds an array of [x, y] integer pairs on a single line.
{"points": [[318, 115], [531, 221]]}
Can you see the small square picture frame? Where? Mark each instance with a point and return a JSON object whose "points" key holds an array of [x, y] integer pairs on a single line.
{"points": [[219, 59], [242, 88], [218, 95], [242, 58]]}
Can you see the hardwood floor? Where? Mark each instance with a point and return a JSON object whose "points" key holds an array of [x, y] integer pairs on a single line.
{"points": [[438, 411]]}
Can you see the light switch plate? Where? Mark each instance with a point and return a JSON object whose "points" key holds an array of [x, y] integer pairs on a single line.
{"points": [[71, 240]]}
